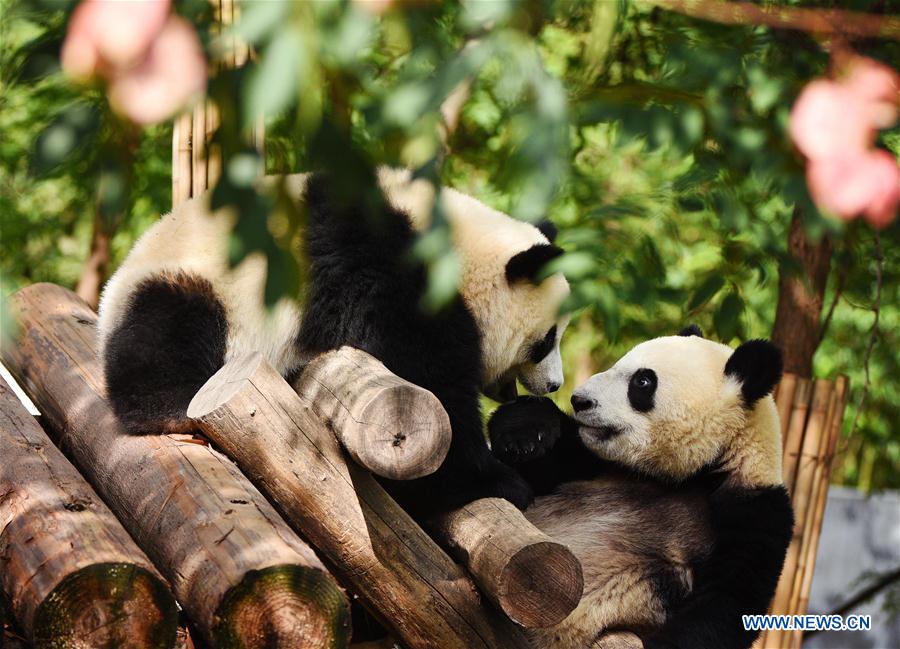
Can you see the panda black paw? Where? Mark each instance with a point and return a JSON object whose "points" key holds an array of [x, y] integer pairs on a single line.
{"points": [[505, 482], [525, 429]]}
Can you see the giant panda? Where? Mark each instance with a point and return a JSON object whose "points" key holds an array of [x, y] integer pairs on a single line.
{"points": [[667, 486], [174, 313]]}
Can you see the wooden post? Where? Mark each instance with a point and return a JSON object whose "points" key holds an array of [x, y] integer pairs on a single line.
{"points": [[536, 581], [73, 576], [390, 426], [242, 575], [401, 575]]}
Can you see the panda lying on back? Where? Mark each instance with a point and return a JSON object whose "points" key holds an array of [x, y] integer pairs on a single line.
{"points": [[174, 313], [667, 487]]}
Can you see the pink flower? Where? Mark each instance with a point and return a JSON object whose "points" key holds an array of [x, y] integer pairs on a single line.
{"points": [[152, 61], [867, 182], [173, 71], [828, 119], [110, 33], [834, 124]]}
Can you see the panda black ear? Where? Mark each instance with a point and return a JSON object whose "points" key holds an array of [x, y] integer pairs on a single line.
{"points": [[526, 264], [548, 229], [691, 330], [757, 364]]}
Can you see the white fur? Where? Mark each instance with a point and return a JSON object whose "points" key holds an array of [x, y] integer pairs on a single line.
{"points": [[192, 238]]}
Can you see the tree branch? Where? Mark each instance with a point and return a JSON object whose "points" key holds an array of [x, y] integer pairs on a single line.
{"points": [[873, 331], [817, 21], [862, 596]]}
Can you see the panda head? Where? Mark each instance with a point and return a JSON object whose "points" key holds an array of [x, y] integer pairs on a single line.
{"points": [[515, 308], [673, 405]]}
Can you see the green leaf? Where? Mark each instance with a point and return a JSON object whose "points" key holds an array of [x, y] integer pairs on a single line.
{"points": [[274, 84], [727, 318], [259, 19], [73, 131], [705, 291]]}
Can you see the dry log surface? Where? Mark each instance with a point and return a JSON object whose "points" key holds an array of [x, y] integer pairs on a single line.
{"points": [[72, 575]]}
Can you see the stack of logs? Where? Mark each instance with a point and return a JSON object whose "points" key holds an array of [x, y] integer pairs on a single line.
{"points": [[101, 533]]}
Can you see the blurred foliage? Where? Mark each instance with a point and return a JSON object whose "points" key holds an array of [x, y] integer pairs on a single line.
{"points": [[655, 141]]}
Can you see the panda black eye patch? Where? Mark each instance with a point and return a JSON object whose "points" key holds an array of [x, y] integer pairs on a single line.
{"points": [[641, 389], [540, 349]]}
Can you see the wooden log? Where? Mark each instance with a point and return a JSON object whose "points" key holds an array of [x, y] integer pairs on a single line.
{"points": [[536, 581], [401, 575], [618, 640], [401, 431], [390, 426], [241, 574], [73, 576]]}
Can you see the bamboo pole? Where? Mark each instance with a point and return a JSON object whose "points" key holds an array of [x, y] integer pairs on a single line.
{"points": [[241, 574], [796, 426], [821, 498], [72, 575], [784, 401], [198, 150], [397, 570], [181, 159], [800, 495], [390, 426]]}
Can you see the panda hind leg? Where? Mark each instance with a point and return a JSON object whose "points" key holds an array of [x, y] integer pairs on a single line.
{"points": [[171, 339]]}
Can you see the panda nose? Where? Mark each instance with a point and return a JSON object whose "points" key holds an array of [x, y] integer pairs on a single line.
{"points": [[582, 403], [552, 387]]}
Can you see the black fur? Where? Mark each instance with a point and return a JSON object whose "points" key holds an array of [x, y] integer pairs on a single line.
{"points": [[751, 528], [757, 364], [548, 229], [365, 291], [642, 389], [170, 341], [526, 264], [542, 442], [691, 330], [539, 350]]}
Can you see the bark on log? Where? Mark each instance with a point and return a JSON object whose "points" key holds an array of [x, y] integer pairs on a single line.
{"points": [[399, 572], [390, 426], [536, 581], [242, 575], [800, 298], [72, 575]]}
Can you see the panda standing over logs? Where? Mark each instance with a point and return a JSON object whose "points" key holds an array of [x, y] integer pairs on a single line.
{"points": [[175, 312], [667, 487]]}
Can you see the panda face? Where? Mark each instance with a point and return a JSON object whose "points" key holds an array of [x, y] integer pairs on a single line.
{"points": [[672, 405]]}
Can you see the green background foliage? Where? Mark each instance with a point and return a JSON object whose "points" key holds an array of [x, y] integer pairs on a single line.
{"points": [[656, 142]]}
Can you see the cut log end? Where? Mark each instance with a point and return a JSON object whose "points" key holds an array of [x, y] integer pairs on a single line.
{"points": [[541, 585], [399, 434], [284, 606], [107, 605], [392, 427]]}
